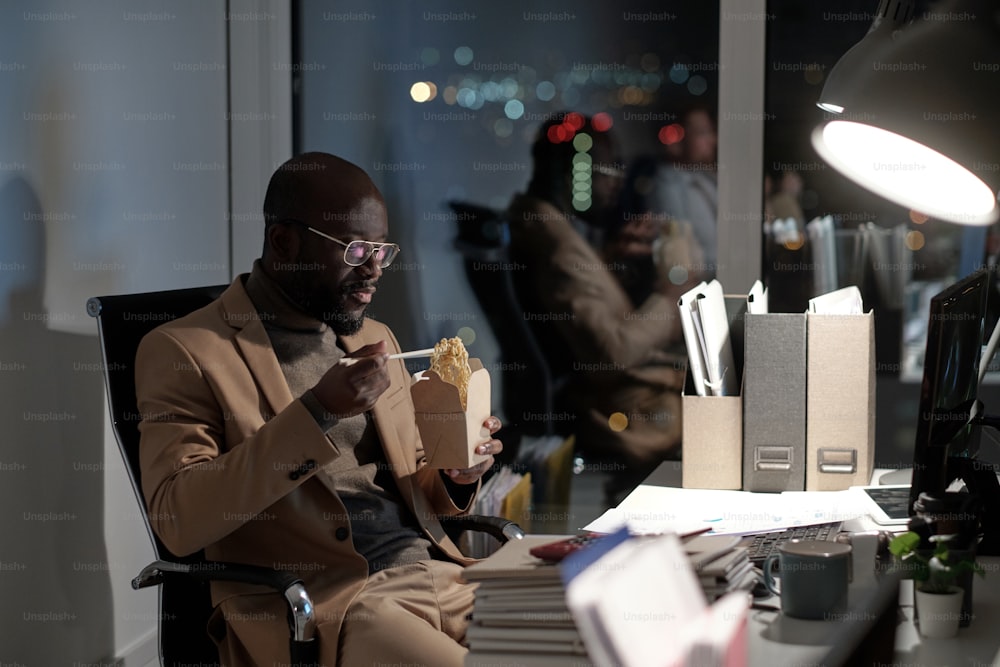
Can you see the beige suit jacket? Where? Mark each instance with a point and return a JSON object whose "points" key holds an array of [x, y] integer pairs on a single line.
{"points": [[232, 464]]}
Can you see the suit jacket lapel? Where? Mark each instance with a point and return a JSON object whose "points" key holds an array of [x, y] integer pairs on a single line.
{"points": [[254, 345]]}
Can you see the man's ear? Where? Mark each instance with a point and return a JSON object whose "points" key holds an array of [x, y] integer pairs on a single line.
{"points": [[283, 242]]}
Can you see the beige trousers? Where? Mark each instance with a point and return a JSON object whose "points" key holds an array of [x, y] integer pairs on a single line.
{"points": [[407, 616]]}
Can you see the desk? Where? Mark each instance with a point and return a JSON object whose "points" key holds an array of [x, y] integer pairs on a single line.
{"points": [[776, 640]]}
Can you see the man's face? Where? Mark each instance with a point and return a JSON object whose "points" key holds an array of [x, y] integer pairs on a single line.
{"points": [[324, 285]]}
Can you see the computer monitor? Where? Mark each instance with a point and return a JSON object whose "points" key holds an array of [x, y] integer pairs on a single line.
{"points": [[950, 416]]}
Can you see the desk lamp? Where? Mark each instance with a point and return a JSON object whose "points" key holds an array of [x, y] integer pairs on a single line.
{"points": [[890, 17], [924, 133], [924, 128]]}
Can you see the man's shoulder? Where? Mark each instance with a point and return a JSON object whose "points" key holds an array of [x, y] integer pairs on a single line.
{"points": [[221, 317]]}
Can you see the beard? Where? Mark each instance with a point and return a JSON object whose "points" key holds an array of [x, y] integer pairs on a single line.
{"points": [[326, 303]]}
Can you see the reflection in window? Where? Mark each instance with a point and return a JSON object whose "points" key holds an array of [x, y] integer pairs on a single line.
{"points": [[440, 102], [899, 258]]}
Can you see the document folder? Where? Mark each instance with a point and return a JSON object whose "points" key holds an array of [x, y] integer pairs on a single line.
{"points": [[774, 402], [840, 403]]}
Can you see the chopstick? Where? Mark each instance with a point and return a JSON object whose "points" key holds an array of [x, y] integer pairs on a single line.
{"points": [[412, 355], [347, 361]]}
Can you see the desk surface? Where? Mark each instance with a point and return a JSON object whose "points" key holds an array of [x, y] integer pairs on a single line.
{"points": [[777, 640]]}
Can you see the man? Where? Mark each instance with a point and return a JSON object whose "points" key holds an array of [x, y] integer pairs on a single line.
{"points": [[624, 360], [261, 445]]}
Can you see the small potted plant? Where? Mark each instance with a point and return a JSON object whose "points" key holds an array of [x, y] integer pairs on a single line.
{"points": [[937, 595]]}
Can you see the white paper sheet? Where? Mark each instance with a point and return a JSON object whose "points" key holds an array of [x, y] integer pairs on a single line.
{"points": [[844, 301], [660, 509], [757, 299]]}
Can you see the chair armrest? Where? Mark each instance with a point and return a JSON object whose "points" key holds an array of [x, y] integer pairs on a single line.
{"points": [[502, 529], [300, 607]]}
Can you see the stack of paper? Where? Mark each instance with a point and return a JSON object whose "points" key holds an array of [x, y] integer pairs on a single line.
{"points": [[721, 564], [520, 615], [639, 603]]}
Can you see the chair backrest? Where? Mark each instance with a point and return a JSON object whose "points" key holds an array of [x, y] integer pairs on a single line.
{"points": [[530, 390], [122, 321]]}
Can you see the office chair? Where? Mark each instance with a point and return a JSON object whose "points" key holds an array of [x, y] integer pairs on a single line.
{"points": [[185, 602], [532, 391]]}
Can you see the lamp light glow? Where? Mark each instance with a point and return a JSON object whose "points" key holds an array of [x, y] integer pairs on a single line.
{"points": [[906, 172]]}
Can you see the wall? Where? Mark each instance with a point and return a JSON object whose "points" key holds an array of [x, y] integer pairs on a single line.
{"points": [[113, 179]]}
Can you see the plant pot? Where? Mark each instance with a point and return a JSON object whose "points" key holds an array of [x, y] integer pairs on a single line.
{"points": [[938, 614]]}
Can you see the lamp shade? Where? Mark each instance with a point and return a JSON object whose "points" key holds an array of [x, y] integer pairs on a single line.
{"points": [[890, 17], [922, 127]]}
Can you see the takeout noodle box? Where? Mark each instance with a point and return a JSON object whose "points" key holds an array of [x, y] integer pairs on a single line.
{"points": [[449, 433]]}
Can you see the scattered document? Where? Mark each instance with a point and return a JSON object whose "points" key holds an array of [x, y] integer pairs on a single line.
{"points": [[652, 510]]}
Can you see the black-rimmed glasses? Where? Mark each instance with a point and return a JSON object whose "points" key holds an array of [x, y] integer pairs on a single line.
{"points": [[357, 253]]}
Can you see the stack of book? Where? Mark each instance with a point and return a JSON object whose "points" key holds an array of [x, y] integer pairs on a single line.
{"points": [[639, 603], [721, 564], [520, 615]]}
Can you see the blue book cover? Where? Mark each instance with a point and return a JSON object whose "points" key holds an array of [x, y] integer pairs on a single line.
{"points": [[580, 560]]}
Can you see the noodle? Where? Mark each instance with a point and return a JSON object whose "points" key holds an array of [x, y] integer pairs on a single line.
{"points": [[451, 362]]}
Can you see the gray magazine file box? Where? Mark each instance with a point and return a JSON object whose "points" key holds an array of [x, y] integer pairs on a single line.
{"points": [[774, 402]]}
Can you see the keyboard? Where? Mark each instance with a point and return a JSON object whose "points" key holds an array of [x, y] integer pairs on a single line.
{"points": [[761, 545]]}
